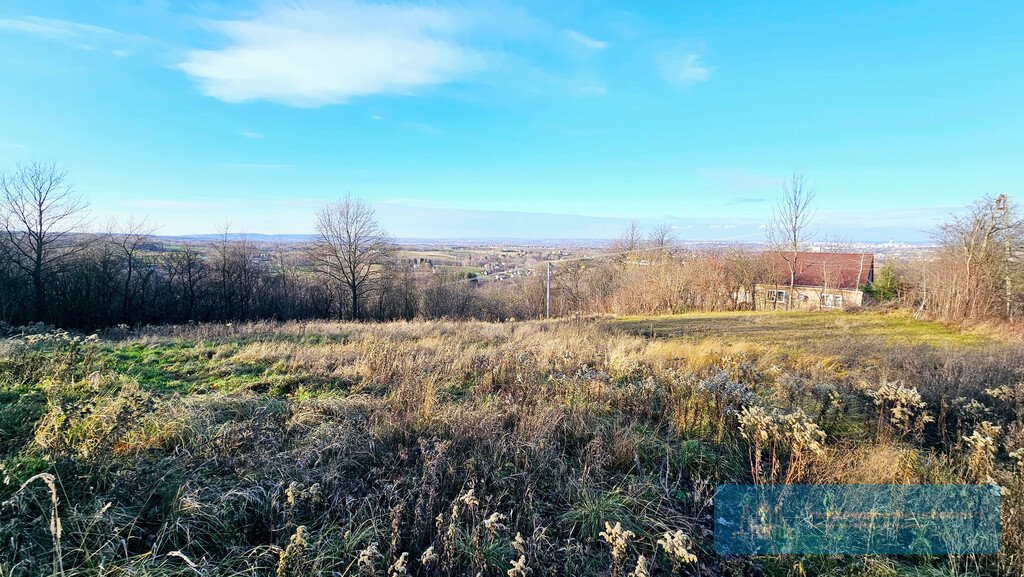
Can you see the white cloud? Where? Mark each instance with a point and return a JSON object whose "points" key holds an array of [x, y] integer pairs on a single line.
{"points": [[683, 68], [592, 88], [77, 34], [580, 39], [54, 28], [319, 54], [250, 134]]}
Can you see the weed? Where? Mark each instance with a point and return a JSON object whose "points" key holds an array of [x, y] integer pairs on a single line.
{"points": [[440, 448]]}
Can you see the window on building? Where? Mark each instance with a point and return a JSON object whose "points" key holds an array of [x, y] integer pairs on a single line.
{"points": [[830, 301], [775, 296]]}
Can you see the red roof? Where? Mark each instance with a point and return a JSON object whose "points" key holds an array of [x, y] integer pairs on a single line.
{"points": [[839, 270]]}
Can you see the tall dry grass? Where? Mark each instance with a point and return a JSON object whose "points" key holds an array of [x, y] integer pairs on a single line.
{"points": [[458, 448]]}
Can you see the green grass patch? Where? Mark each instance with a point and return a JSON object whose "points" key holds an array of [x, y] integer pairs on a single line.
{"points": [[20, 409], [801, 329], [185, 366]]}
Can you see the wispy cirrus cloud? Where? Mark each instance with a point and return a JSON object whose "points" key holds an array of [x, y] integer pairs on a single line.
{"points": [[54, 28], [582, 40], [11, 144], [318, 54], [586, 87], [78, 34], [683, 67]]}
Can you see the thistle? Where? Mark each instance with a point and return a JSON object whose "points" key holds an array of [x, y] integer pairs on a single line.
{"points": [[675, 543], [981, 446], [400, 566], [641, 568], [618, 538], [428, 556], [493, 523], [519, 568], [290, 561], [368, 558]]}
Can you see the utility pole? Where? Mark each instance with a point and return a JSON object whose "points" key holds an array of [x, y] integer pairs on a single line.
{"points": [[548, 297], [1003, 204]]}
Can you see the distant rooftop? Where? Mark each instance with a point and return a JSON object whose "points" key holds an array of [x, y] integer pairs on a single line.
{"points": [[841, 270]]}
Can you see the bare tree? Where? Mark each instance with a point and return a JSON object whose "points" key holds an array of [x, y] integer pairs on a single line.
{"points": [[571, 280], [628, 243], [744, 271], [790, 227], [237, 268], [286, 271], [977, 263], [222, 265], [129, 241], [406, 294], [39, 213], [447, 294], [250, 268], [662, 237], [350, 247], [185, 269], [11, 293]]}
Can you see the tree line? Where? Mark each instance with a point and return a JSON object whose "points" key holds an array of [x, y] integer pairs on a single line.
{"points": [[54, 273]]}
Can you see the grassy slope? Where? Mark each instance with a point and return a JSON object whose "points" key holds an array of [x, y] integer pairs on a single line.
{"points": [[794, 330], [382, 429]]}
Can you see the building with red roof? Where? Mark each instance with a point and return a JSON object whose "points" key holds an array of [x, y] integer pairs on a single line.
{"points": [[814, 280]]}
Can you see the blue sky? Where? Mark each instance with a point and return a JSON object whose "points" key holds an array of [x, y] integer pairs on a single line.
{"points": [[537, 119]]}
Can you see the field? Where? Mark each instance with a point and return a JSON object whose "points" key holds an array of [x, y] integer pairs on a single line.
{"points": [[587, 447], [799, 329]]}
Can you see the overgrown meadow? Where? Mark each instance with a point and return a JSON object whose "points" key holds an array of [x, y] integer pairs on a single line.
{"points": [[469, 448]]}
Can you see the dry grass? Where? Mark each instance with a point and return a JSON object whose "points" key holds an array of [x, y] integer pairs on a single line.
{"points": [[448, 448], [819, 331]]}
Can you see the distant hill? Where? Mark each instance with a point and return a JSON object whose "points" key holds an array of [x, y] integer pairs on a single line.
{"points": [[256, 237], [591, 243]]}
